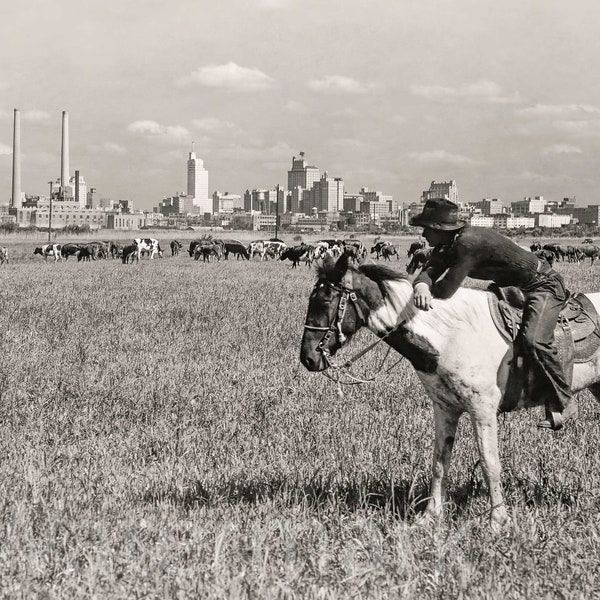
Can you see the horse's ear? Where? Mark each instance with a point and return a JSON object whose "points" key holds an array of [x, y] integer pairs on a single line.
{"points": [[341, 266]]}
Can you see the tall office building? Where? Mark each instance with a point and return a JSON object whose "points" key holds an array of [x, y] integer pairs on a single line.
{"points": [[302, 175], [197, 183], [441, 189]]}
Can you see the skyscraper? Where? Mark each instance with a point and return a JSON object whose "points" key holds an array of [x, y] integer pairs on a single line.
{"points": [[302, 174], [197, 183]]}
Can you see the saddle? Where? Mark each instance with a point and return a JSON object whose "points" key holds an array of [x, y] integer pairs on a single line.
{"points": [[576, 336], [577, 332]]}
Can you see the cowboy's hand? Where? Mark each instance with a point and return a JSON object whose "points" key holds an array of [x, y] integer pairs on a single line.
{"points": [[422, 296]]}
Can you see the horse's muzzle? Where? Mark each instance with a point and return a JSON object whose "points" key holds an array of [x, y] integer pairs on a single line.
{"points": [[313, 360]]}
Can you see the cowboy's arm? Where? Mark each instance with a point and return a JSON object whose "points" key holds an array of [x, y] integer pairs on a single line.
{"points": [[423, 283], [455, 275]]}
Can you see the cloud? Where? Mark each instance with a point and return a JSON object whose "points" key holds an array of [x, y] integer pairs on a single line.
{"points": [[296, 107], [561, 149], [440, 156], [275, 4], [35, 116], [230, 76], [559, 111], [211, 124], [109, 148], [479, 91], [334, 84], [152, 129], [5, 150]]}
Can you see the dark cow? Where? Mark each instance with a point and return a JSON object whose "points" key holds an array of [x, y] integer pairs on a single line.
{"points": [[69, 250], [3, 255], [419, 245], [377, 248], [207, 249], [175, 247], [129, 254], [547, 255], [535, 247], [390, 250], [589, 250], [296, 254], [418, 260], [235, 247], [85, 253]]}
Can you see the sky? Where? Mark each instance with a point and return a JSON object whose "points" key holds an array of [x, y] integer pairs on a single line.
{"points": [[390, 95]]}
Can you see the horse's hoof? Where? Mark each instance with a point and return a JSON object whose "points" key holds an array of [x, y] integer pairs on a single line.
{"points": [[500, 522]]}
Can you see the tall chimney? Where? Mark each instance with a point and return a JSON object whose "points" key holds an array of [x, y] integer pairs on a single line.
{"points": [[16, 165], [64, 154]]}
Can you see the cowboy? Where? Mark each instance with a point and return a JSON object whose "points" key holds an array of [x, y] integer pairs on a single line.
{"points": [[460, 251]]}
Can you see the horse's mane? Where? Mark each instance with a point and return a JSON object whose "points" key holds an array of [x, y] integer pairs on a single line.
{"points": [[381, 273]]}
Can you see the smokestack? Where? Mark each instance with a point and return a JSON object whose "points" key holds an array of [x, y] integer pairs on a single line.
{"points": [[77, 186], [64, 153], [16, 166]]}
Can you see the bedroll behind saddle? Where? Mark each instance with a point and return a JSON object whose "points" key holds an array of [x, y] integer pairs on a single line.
{"points": [[577, 332]]}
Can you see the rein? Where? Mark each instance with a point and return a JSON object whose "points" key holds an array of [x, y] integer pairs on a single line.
{"points": [[347, 293]]}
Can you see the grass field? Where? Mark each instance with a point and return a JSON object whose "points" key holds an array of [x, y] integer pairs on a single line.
{"points": [[160, 439]]}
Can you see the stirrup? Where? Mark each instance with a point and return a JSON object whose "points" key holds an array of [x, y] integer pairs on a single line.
{"points": [[554, 420]]}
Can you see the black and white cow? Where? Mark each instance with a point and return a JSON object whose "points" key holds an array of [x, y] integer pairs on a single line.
{"points": [[297, 254], [3, 255], [50, 250], [149, 245]]}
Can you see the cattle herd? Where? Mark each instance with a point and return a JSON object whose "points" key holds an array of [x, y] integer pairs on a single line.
{"points": [[208, 249]]}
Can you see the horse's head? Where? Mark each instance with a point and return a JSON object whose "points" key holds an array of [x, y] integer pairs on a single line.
{"points": [[334, 315]]}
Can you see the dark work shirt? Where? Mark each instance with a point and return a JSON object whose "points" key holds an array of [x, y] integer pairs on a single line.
{"points": [[479, 253]]}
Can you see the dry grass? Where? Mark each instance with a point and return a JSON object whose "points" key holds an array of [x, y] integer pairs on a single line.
{"points": [[159, 438]]}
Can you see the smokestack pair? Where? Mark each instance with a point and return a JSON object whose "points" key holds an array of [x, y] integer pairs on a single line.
{"points": [[16, 201]]}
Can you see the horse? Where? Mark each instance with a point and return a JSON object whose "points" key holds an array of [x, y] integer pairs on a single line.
{"points": [[458, 353]]}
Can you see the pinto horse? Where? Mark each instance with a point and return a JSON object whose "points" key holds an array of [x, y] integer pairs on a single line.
{"points": [[459, 355]]}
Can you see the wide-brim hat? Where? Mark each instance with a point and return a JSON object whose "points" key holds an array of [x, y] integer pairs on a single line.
{"points": [[439, 213]]}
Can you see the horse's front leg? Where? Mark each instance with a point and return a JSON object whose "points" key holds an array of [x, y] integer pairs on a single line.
{"points": [[446, 421], [485, 426]]}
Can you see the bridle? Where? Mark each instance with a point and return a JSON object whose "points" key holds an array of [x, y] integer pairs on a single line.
{"points": [[347, 293]]}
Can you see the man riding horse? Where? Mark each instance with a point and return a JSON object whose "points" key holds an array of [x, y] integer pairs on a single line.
{"points": [[460, 251]]}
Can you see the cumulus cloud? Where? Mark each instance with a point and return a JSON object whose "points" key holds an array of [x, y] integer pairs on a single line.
{"points": [[152, 129], [440, 156], [5, 150], [230, 76], [110, 148], [211, 124], [334, 84], [478, 91], [561, 149]]}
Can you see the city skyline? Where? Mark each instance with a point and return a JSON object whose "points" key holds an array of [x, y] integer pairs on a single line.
{"points": [[388, 96]]}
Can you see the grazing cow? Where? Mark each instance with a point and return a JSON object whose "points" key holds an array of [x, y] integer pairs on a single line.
{"points": [[361, 250], [351, 252], [50, 250], [377, 248], [208, 249], [129, 254], [547, 255], [70, 250], [3, 255], [175, 247], [419, 245], [591, 250], [149, 245], [235, 247], [535, 247], [264, 248], [297, 254], [419, 260], [390, 250], [85, 253]]}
